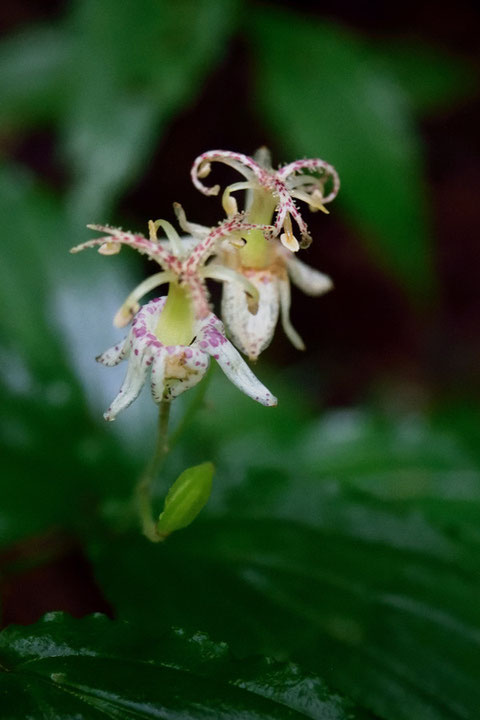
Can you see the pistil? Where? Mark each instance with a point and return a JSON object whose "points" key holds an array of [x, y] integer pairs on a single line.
{"points": [[175, 324]]}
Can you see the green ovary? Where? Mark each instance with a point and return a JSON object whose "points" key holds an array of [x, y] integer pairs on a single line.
{"points": [[175, 324]]}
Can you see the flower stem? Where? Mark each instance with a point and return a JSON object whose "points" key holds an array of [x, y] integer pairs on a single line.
{"points": [[195, 404], [144, 488]]}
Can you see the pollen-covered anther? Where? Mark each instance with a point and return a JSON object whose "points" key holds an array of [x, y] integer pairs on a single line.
{"points": [[306, 241], [237, 242], [252, 304], [287, 238], [126, 313], [109, 248], [316, 202], [204, 170], [229, 204]]}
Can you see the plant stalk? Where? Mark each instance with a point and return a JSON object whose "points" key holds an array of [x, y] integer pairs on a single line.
{"points": [[144, 488]]}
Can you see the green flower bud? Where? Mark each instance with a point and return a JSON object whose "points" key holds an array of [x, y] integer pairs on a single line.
{"points": [[186, 498]]}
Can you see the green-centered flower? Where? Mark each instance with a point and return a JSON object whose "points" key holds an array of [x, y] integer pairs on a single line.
{"points": [[176, 336], [176, 367], [266, 263]]}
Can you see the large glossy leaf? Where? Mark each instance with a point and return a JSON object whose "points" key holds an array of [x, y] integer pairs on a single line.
{"points": [[325, 95], [96, 668], [342, 547]]}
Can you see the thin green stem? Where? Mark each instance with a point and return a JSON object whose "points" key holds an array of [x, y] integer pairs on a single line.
{"points": [[195, 404], [144, 488]]}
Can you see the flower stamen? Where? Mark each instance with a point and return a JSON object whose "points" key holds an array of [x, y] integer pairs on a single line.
{"points": [[287, 238]]}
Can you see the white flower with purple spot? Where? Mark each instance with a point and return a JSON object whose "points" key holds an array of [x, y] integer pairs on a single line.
{"points": [[176, 368], [252, 325]]}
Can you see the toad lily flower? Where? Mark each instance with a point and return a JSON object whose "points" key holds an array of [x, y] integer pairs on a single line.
{"points": [[272, 191], [183, 262], [265, 263], [176, 368], [253, 332], [176, 335]]}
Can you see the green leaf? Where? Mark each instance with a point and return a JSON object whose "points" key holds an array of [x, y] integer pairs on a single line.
{"points": [[95, 668], [324, 95], [111, 76], [343, 548], [123, 95], [33, 76]]}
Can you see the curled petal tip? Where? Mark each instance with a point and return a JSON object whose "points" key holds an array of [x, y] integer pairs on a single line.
{"points": [[99, 228]]}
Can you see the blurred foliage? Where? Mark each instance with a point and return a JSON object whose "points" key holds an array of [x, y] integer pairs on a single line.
{"points": [[350, 547], [348, 543], [110, 78], [335, 94]]}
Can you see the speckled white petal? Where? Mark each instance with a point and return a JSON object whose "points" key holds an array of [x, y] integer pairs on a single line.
{"points": [[157, 377], [130, 390], [213, 341], [115, 354], [195, 366], [311, 281], [290, 332], [251, 333]]}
